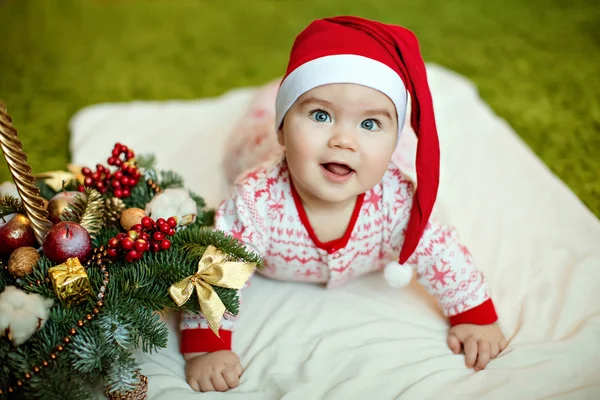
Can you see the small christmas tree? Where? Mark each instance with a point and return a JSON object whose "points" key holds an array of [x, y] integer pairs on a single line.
{"points": [[92, 259]]}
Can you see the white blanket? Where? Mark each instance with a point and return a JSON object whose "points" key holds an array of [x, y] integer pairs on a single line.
{"points": [[538, 246]]}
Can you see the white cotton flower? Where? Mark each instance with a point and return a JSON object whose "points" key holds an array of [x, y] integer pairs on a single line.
{"points": [[21, 314], [9, 189], [173, 203]]}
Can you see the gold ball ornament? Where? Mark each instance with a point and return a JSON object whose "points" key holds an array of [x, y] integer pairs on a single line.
{"points": [[131, 217], [57, 205], [22, 261]]}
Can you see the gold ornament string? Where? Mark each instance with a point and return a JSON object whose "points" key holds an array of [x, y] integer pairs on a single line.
{"points": [[22, 176], [213, 269]]}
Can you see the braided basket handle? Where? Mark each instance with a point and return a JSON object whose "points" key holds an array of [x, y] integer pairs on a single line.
{"points": [[22, 176]]}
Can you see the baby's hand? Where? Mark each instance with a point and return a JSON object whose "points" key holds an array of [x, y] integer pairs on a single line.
{"points": [[208, 372], [481, 343]]}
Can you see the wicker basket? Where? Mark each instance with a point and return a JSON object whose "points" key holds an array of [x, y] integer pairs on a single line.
{"points": [[139, 393]]}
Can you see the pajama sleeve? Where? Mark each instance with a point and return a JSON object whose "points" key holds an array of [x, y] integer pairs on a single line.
{"points": [[237, 217], [444, 266]]}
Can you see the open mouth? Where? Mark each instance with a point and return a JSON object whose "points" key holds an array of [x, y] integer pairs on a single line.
{"points": [[338, 169]]}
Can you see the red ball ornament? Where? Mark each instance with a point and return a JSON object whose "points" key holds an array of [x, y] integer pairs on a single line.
{"points": [[67, 240], [15, 232]]}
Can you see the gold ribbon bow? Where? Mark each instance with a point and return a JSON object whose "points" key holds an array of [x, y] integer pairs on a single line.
{"points": [[213, 269]]}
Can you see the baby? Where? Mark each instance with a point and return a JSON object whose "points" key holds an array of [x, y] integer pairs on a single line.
{"points": [[335, 207]]}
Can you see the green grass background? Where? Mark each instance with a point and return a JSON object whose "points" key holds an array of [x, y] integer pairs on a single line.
{"points": [[536, 62]]}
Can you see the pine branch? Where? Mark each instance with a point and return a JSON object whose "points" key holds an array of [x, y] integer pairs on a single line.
{"points": [[200, 203], [230, 299], [10, 205], [40, 272], [170, 179], [141, 194], [146, 161], [59, 381], [5, 278], [18, 361], [149, 330], [195, 239], [150, 173], [89, 351], [143, 283], [87, 210], [5, 371], [44, 341], [123, 373], [115, 329], [205, 217], [105, 235], [66, 317]]}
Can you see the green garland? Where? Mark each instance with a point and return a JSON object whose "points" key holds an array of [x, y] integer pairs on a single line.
{"points": [[100, 354]]}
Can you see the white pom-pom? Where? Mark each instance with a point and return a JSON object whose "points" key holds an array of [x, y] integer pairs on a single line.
{"points": [[397, 275]]}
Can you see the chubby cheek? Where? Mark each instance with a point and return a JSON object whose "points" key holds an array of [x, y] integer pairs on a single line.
{"points": [[297, 154], [301, 143], [374, 164]]}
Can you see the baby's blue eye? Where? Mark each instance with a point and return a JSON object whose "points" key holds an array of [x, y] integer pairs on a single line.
{"points": [[320, 116], [369, 124]]}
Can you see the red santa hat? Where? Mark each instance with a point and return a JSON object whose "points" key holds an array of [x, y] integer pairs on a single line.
{"points": [[384, 57]]}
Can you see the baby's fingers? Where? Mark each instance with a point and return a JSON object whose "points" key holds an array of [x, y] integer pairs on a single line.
{"points": [[205, 384], [484, 355], [218, 382], [454, 344], [495, 349], [231, 375], [470, 345], [194, 384]]}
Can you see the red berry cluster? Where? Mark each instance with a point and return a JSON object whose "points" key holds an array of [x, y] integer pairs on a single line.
{"points": [[148, 235], [121, 181]]}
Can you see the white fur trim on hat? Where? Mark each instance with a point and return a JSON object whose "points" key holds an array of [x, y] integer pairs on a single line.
{"points": [[342, 68], [397, 275]]}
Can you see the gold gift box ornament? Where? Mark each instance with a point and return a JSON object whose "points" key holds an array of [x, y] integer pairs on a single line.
{"points": [[71, 282]]}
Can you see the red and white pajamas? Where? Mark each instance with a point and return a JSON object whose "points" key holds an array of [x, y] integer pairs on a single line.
{"points": [[265, 213]]}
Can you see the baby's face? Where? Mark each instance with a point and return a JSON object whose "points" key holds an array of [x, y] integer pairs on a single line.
{"points": [[339, 140]]}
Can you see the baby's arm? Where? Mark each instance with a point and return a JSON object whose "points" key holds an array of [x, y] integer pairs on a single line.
{"points": [[445, 267], [210, 363]]}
